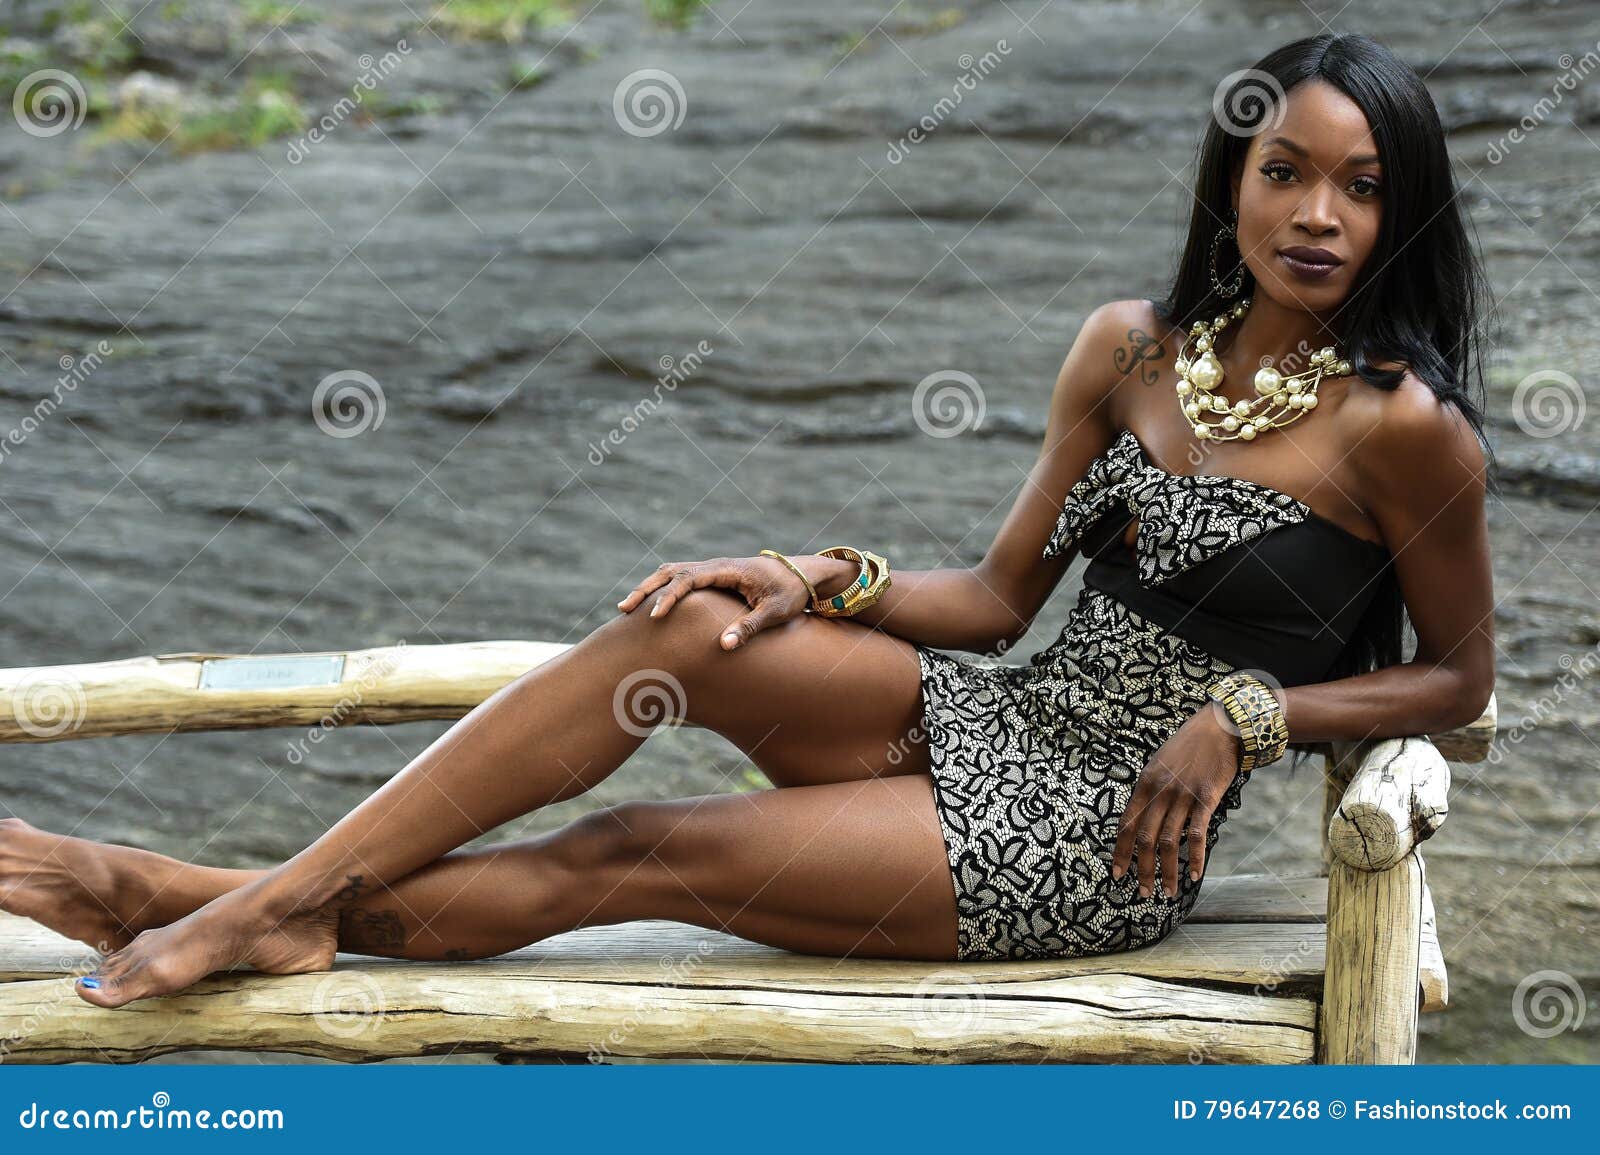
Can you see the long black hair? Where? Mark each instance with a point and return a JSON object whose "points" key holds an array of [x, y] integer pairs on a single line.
{"points": [[1419, 298]]}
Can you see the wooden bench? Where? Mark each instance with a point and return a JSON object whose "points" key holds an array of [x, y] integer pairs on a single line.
{"points": [[1329, 967]]}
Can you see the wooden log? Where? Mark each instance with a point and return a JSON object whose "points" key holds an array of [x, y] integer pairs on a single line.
{"points": [[662, 990], [1398, 797], [1431, 974], [170, 692], [1253, 930], [1471, 742], [1370, 997], [404, 683]]}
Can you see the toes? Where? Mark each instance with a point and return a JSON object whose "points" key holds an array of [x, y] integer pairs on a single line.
{"points": [[142, 980], [100, 992], [107, 985]]}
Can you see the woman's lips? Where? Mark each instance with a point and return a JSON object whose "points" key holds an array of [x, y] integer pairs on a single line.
{"points": [[1309, 270]]}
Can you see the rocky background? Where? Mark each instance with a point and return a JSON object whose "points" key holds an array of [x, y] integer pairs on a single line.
{"points": [[327, 325]]}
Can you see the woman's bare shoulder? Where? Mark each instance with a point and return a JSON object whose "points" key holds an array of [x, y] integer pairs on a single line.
{"points": [[1121, 341], [1410, 446]]}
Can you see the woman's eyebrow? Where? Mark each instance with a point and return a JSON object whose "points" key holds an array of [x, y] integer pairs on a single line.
{"points": [[1301, 151]]}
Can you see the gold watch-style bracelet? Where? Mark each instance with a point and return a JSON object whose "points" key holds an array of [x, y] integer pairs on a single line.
{"points": [[1258, 715]]}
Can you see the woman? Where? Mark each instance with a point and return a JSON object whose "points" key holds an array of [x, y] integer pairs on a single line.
{"points": [[1258, 549]]}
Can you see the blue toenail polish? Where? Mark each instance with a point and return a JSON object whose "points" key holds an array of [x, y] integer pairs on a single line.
{"points": [[91, 982]]}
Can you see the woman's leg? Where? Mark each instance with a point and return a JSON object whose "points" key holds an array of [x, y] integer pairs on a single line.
{"points": [[811, 701], [843, 868]]}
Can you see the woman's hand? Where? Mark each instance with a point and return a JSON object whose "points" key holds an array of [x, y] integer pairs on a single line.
{"points": [[1178, 792], [774, 592]]}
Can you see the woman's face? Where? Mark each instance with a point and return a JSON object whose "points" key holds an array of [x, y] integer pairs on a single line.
{"points": [[1309, 196]]}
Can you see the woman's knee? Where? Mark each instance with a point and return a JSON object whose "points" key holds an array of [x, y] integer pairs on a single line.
{"points": [[612, 857], [617, 836], [692, 628]]}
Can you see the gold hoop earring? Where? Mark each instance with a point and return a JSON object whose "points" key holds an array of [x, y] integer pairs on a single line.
{"points": [[1228, 231]]}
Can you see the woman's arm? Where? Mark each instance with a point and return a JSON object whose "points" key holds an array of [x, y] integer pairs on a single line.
{"points": [[988, 607], [1427, 468], [1425, 465]]}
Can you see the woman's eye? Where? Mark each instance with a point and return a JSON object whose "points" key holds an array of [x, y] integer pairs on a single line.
{"points": [[1272, 170], [1368, 187]]}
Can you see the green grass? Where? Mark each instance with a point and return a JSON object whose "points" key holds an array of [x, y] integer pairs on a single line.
{"points": [[512, 20], [675, 13], [265, 109], [271, 13], [507, 20], [523, 75]]}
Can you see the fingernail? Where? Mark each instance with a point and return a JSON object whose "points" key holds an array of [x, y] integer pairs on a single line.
{"points": [[90, 981], [1194, 876], [1144, 891], [731, 639], [1116, 872]]}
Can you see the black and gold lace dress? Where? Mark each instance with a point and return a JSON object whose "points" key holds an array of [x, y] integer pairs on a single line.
{"points": [[1033, 766]]}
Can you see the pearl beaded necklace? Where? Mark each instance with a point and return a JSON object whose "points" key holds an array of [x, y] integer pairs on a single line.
{"points": [[1281, 400]]}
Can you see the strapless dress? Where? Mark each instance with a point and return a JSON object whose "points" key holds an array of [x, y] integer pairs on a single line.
{"points": [[1034, 765]]}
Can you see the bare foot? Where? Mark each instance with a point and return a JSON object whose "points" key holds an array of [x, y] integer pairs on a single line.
{"points": [[75, 887], [235, 928]]}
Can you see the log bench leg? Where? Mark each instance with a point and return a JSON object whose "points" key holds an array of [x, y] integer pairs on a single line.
{"points": [[1369, 1004]]}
